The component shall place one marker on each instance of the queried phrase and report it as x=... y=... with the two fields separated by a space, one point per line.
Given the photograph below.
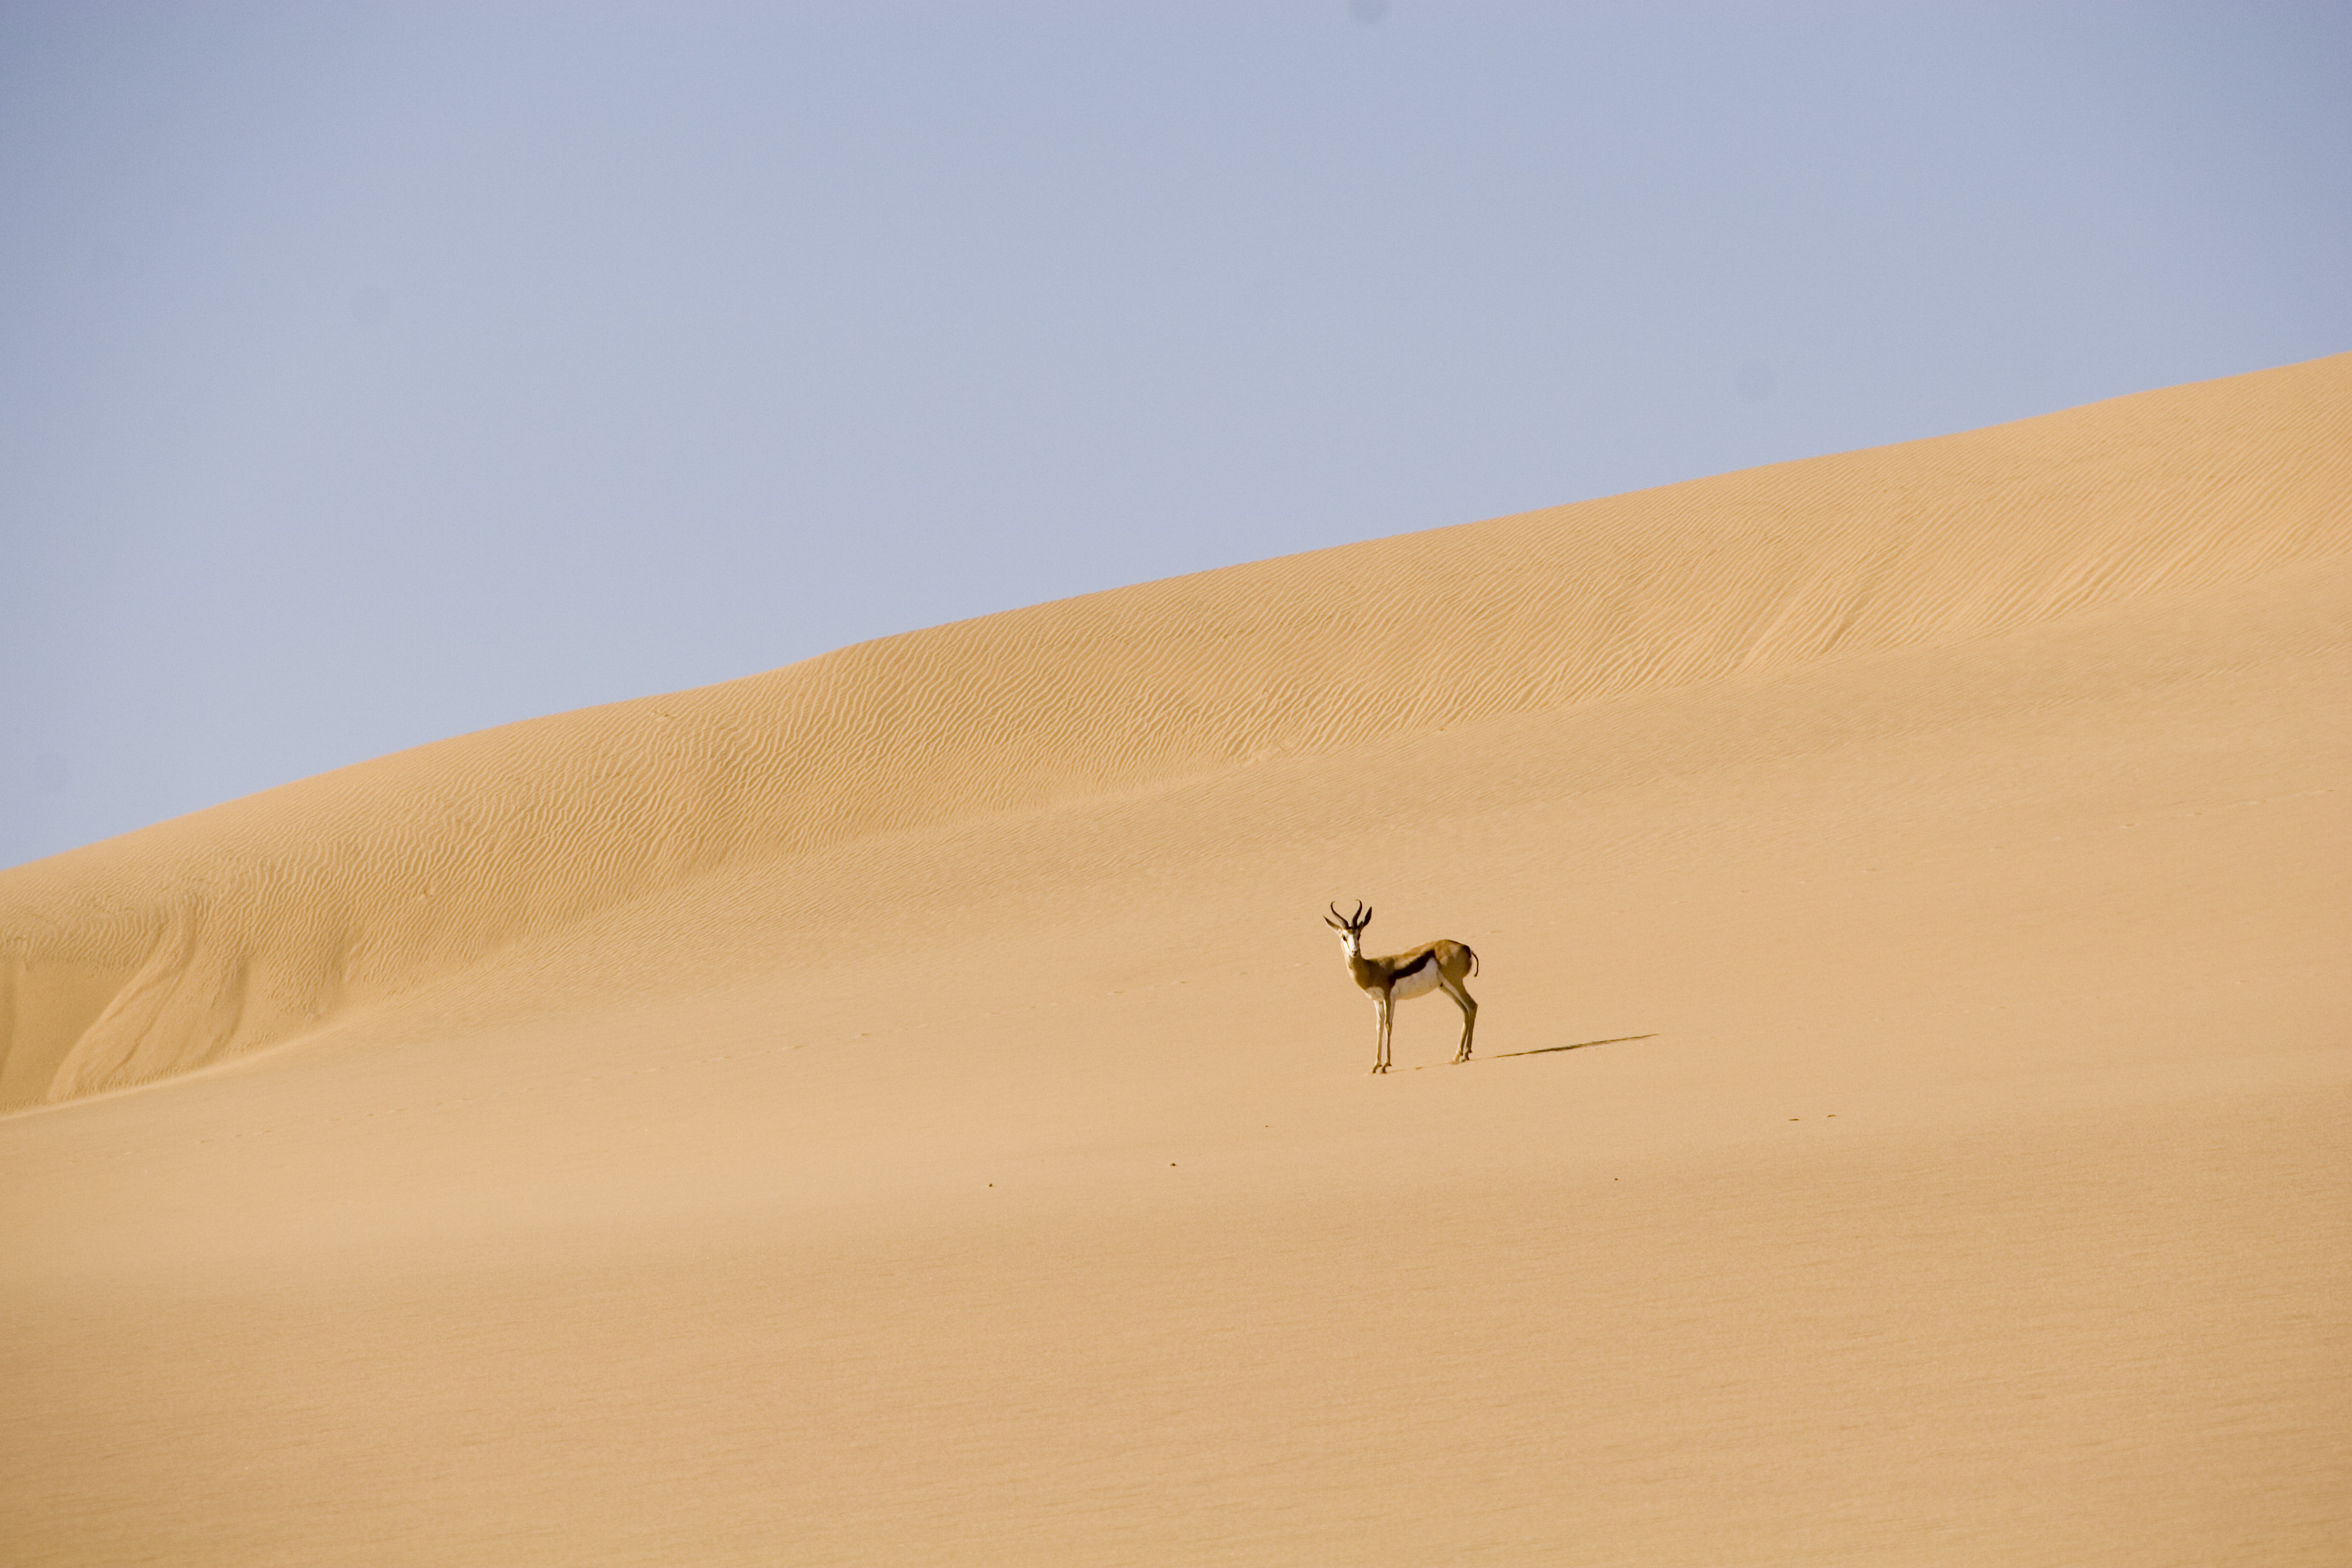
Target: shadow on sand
x=1538 y=1051
x=1579 y=1046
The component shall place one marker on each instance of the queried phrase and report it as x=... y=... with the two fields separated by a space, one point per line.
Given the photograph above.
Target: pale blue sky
x=370 y=374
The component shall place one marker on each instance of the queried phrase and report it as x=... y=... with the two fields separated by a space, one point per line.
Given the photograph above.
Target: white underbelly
x=1419 y=982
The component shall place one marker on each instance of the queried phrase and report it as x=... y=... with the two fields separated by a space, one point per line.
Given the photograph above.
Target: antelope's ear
x=1335 y=925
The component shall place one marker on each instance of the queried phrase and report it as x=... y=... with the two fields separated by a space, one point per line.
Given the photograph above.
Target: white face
x=1352 y=941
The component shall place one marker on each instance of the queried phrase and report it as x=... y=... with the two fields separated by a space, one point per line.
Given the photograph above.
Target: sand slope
x=903 y=1109
x=200 y=939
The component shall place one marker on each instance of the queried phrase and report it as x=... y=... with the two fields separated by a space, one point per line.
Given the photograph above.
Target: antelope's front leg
x=1385 y=1011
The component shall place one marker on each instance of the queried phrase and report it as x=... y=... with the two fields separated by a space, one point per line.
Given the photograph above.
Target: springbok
x=1416 y=971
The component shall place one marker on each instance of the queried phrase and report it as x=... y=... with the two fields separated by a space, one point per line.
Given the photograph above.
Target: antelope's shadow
x=1550 y=1050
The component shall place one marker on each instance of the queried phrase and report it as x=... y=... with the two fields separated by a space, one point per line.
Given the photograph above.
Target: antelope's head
x=1351 y=927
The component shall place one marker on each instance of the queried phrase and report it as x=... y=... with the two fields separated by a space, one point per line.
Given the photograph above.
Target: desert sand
x=905 y=1108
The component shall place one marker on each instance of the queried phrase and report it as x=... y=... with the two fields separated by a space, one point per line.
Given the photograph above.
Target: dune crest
x=207 y=937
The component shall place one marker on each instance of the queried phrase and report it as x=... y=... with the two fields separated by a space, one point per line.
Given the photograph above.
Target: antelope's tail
x=1474 y=957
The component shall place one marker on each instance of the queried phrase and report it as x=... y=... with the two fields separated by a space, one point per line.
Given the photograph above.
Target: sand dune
x=200 y=938
x=904 y=1108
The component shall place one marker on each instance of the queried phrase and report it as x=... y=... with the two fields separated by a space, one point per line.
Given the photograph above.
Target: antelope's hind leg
x=1461 y=999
